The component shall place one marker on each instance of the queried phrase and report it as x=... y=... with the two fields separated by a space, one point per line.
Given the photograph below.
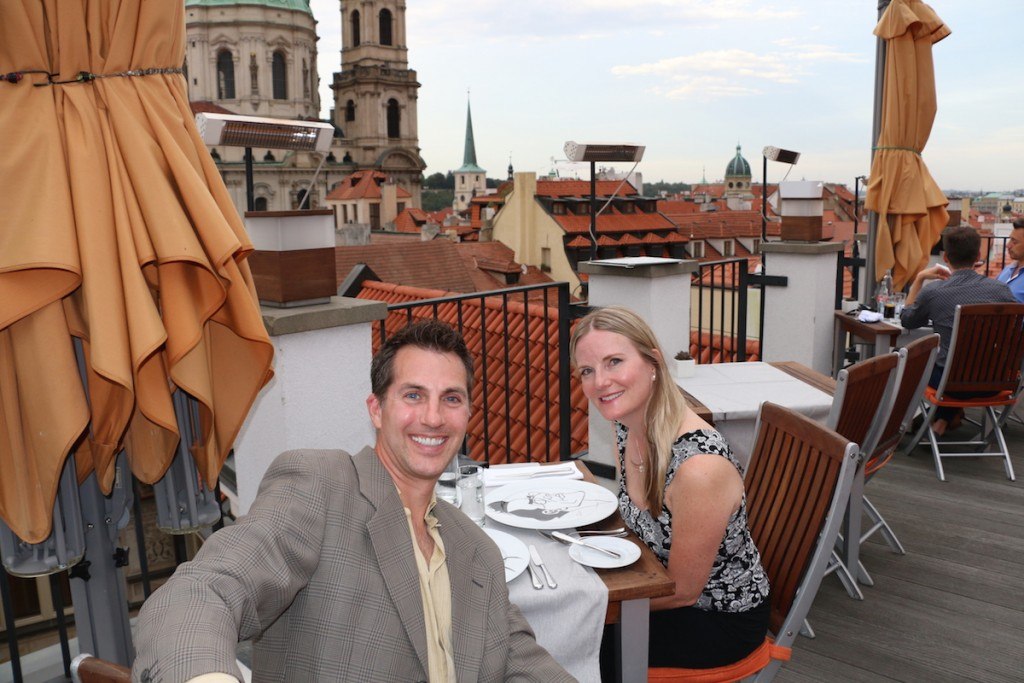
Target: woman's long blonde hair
x=666 y=407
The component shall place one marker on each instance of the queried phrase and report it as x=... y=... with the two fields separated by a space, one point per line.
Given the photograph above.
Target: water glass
x=471 y=490
x=447 y=486
x=899 y=298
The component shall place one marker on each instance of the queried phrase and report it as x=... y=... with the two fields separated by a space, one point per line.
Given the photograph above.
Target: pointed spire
x=469 y=156
x=469 y=164
x=511 y=171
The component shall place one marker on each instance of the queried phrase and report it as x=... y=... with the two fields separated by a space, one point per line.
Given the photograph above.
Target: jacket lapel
x=389 y=534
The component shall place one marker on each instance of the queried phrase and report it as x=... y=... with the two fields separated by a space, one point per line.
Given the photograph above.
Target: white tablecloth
x=734 y=392
x=568 y=620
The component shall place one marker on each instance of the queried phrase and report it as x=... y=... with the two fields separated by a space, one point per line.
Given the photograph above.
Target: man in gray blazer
x=346 y=568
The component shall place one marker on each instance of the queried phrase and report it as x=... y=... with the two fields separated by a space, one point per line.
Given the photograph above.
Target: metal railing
x=519 y=338
x=721 y=291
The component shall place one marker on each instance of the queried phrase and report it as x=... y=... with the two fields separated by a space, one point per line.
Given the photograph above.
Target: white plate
x=513 y=552
x=595 y=558
x=550 y=504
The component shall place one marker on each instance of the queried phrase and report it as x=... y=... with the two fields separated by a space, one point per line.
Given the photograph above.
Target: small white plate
x=595 y=558
x=513 y=552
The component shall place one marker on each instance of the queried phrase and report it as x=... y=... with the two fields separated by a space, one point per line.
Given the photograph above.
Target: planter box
x=294 y=262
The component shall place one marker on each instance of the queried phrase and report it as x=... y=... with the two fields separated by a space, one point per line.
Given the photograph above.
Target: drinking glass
x=447 y=488
x=471 y=490
x=899 y=298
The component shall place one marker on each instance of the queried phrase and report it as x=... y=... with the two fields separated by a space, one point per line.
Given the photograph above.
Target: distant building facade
x=256 y=58
x=375 y=94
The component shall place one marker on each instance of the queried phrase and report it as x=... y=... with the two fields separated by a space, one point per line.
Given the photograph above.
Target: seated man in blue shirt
x=1013 y=274
x=959 y=285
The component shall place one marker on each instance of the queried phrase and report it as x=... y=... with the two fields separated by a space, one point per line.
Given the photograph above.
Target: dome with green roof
x=738 y=166
x=298 y=5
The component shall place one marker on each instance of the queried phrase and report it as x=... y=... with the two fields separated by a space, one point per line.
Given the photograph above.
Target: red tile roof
x=363 y=185
x=435 y=264
x=519 y=428
x=612 y=221
x=204 y=107
x=581 y=188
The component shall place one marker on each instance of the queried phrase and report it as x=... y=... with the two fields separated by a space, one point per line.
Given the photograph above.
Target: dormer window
x=727 y=248
x=697 y=249
x=627 y=207
x=558 y=208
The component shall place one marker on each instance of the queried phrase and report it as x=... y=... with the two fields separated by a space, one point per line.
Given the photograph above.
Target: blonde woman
x=681 y=491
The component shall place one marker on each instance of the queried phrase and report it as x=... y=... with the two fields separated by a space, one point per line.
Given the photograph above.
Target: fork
x=611 y=533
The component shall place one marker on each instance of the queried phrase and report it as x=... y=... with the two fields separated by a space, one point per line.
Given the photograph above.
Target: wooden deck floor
x=952 y=608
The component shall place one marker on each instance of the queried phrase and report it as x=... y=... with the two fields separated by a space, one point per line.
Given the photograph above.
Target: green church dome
x=738 y=166
x=298 y=5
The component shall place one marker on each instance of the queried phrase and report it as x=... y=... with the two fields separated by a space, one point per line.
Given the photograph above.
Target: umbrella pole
x=98 y=584
x=870 y=278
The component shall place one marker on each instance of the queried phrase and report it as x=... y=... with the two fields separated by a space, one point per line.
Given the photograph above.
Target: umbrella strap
x=898 y=149
x=88 y=76
x=16 y=76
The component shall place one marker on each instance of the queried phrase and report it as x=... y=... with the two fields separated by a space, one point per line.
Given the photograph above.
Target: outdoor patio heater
x=607 y=152
x=231 y=130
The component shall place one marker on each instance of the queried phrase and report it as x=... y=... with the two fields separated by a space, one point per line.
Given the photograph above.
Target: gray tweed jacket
x=321 y=574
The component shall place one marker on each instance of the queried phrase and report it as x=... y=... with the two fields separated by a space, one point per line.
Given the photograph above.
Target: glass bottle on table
x=884 y=292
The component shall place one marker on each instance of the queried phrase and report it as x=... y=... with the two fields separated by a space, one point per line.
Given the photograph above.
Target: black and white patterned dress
x=737 y=581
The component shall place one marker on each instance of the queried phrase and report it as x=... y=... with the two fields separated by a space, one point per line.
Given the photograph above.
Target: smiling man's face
x=422 y=417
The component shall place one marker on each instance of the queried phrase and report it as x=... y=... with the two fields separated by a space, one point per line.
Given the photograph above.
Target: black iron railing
x=519 y=338
x=719 y=312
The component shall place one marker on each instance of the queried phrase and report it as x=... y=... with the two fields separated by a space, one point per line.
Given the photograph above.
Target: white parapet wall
x=317 y=398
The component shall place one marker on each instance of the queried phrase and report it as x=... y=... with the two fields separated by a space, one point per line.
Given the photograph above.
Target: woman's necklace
x=640 y=463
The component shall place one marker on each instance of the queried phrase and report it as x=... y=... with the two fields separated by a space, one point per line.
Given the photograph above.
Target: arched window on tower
x=225 y=76
x=350 y=111
x=394 y=119
x=385 y=27
x=279 y=71
x=260 y=204
x=354 y=18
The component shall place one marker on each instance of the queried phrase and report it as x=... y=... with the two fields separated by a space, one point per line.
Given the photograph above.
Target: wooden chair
x=861 y=407
x=986 y=355
x=798 y=485
x=916 y=361
x=88 y=669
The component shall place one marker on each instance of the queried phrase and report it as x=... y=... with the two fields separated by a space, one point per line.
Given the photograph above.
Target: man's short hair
x=1018 y=224
x=962 y=245
x=432 y=335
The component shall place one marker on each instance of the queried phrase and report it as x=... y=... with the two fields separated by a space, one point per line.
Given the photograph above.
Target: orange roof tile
x=435 y=264
x=363 y=185
x=520 y=429
x=581 y=188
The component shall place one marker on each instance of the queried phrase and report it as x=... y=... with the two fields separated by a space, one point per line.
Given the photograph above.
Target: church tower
x=470 y=179
x=375 y=93
x=737 y=193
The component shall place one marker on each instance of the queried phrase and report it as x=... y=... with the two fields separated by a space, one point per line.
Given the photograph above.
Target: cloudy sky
x=692 y=78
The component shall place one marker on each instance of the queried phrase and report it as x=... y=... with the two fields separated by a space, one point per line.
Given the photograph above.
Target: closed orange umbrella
x=117 y=231
x=910 y=206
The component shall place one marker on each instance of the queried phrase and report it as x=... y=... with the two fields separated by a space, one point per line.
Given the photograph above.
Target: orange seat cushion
x=1003 y=398
x=749 y=665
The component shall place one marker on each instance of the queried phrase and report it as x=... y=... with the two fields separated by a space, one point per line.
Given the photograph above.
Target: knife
x=569 y=539
x=540 y=563
x=534 y=578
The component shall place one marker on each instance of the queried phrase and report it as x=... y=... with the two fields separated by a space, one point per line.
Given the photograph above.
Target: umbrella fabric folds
x=910 y=206
x=117 y=230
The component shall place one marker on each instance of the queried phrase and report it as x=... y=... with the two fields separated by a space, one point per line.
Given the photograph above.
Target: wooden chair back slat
x=987 y=348
x=920 y=358
x=860 y=393
x=792 y=476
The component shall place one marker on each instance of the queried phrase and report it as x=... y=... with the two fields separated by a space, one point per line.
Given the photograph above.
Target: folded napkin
x=869 y=316
x=497 y=475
